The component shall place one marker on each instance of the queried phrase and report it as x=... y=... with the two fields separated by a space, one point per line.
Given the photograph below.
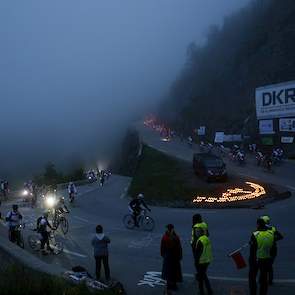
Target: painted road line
x=88 y=191
x=153 y=279
x=123 y=195
x=246 y=175
x=291 y=187
x=81 y=219
x=74 y=253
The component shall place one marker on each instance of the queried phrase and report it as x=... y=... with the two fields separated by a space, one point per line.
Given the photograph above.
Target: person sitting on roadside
x=136 y=206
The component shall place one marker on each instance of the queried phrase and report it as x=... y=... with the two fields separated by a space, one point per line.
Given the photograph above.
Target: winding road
x=134 y=255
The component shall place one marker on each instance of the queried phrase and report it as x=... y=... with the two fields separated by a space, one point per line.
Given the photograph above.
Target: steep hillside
x=254 y=47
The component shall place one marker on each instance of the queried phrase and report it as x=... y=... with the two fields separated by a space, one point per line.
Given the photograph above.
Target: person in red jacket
x=171 y=251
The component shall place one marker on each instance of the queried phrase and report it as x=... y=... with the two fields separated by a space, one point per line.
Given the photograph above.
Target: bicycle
x=60 y=220
x=19 y=238
x=144 y=221
x=34 y=242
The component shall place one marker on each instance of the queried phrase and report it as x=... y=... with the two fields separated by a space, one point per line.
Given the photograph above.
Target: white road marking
x=88 y=191
x=153 y=279
x=291 y=187
x=81 y=219
x=246 y=175
x=74 y=253
x=123 y=195
x=141 y=243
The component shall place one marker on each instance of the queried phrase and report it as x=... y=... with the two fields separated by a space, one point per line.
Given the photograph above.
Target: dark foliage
x=254 y=47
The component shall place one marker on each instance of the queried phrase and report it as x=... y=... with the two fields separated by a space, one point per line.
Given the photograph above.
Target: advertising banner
x=287 y=139
x=287 y=125
x=219 y=137
x=267 y=140
x=202 y=130
x=275 y=101
x=266 y=127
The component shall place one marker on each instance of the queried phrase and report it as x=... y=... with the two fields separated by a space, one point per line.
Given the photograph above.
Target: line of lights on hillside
x=234 y=195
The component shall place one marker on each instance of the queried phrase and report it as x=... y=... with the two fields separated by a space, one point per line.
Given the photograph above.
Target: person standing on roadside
x=171 y=251
x=203 y=257
x=260 y=259
x=100 y=246
x=277 y=237
x=198 y=227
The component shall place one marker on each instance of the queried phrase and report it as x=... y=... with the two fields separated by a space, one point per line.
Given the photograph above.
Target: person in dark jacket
x=171 y=251
x=100 y=246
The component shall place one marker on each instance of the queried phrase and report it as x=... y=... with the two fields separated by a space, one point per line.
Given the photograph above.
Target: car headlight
x=25 y=193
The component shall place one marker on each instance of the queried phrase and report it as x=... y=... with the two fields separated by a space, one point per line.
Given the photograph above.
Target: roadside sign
x=275 y=101
x=267 y=140
x=266 y=127
x=287 y=139
x=219 y=137
x=287 y=124
x=201 y=130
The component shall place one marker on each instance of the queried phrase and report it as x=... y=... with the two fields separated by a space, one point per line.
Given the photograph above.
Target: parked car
x=209 y=166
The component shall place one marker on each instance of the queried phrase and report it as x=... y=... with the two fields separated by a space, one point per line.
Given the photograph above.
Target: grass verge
x=163 y=178
x=18 y=279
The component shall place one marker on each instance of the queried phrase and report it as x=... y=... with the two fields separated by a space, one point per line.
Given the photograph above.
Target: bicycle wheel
x=21 y=241
x=148 y=223
x=128 y=221
x=64 y=224
x=58 y=247
x=33 y=241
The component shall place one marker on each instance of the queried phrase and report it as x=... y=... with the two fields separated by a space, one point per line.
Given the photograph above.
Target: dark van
x=209 y=166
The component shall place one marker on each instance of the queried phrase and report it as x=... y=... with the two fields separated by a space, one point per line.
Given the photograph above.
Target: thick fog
x=74 y=73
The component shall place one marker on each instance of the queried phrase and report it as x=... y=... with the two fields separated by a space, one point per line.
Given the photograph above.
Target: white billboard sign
x=275 y=101
x=219 y=137
x=287 y=125
x=266 y=127
x=287 y=139
x=202 y=130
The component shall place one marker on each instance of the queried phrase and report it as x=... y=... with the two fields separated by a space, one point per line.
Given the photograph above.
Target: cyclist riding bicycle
x=61 y=207
x=44 y=227
x=135 y=207
x=72 y=190
x=14 y=219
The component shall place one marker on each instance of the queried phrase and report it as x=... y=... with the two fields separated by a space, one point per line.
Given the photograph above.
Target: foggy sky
x=74 y=72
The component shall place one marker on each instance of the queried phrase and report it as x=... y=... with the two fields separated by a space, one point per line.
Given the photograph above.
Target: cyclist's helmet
x=140 y=196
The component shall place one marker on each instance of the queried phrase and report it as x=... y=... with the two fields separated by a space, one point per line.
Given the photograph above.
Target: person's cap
x=140 y=196
x=266 y=219
x=14 y=206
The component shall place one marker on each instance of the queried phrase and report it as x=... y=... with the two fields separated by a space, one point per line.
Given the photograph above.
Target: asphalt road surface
x=134 y=254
